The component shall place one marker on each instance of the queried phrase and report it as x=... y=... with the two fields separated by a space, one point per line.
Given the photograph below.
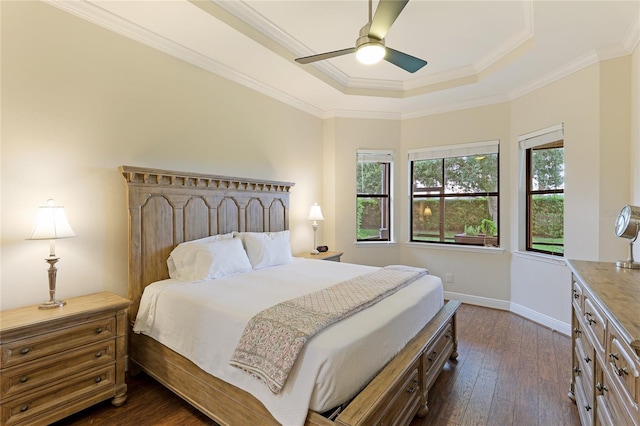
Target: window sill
x=540 y=257
x=453 y=247
x=374 y=243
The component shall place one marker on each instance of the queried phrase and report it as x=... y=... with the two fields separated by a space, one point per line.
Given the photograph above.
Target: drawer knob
x=576 y=370
x=98 y=354
x=23 y=379
x=413 y=387
x=613 y=356
x=591 y=321
x=601 y=387
x=621 y=371
x=587 y=359
x=24 y=408
x=98 y=330
x=98 y=379
x=577 y=330
x=25 y=350
x=587 y=407
x=576 y=295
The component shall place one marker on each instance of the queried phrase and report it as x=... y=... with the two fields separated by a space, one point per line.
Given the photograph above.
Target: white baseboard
x=477 y=300
x=504 y=305
x=542 y=319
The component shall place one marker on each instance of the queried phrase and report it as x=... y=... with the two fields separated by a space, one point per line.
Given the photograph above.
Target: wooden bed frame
x=167 y=208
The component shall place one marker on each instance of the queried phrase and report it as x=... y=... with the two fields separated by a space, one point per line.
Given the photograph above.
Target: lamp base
x=628 y=264
x=51 y=304
x=315 y=252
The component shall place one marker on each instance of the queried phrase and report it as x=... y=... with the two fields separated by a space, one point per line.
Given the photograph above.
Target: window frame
x=547 y=138
x=384 y=157
x=441 y=153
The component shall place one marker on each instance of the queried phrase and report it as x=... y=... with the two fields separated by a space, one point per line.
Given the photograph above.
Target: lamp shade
x=315 y=213
x=51 y=223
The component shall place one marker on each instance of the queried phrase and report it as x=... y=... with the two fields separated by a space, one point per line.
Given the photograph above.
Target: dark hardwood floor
x=510 y=371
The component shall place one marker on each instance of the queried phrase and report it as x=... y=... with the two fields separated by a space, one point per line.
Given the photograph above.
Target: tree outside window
x=545 y=198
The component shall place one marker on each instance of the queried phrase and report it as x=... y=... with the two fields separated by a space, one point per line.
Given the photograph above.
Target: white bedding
x=203 y=321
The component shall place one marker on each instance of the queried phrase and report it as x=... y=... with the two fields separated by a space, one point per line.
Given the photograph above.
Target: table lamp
x=315 y=214
x=51 y=224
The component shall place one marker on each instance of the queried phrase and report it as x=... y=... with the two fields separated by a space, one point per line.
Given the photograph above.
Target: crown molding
x=454 y=78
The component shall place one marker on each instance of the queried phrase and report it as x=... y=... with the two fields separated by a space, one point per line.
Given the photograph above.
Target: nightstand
x=327 y=255
x=56 y=362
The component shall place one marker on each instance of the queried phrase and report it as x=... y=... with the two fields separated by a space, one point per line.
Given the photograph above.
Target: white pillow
x=267 y=248
x=217 y=259
x=183 y=256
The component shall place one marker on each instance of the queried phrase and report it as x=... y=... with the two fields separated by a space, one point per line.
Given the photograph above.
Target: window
x=544 y=159
x=455 y=194
x=373 y=181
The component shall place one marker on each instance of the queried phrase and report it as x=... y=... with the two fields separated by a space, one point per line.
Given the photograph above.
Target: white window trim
x=380 y=155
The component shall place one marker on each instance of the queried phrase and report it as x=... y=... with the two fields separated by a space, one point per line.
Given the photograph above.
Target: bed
x=168 y=208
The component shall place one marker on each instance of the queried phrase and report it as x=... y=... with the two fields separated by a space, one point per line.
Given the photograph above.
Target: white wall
x=78 y=101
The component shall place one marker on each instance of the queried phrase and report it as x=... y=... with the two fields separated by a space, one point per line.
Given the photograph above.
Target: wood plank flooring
x=510 y=371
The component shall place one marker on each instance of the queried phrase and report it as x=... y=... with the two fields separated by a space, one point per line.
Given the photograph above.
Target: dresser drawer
x=30 y=407
x=595 y=323
x=433 y=356
x=403 y=402
x=576 y=292
x=583 y=402
x=585 y=362
x=28 y=376
x=612 y=403
x=623 y=367
x=24 y=350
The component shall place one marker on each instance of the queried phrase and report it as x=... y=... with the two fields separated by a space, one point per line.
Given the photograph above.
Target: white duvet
x=203 y=321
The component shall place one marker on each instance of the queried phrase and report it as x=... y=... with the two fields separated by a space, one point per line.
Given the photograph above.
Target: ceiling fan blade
x=328 y=55
x=406 y=62
x=386 y=14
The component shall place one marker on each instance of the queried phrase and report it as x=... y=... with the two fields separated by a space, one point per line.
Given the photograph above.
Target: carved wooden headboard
x=167 y=208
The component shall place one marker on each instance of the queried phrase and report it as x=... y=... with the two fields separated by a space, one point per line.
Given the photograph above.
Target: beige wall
x=594 y=106
x=78 y=101
x=482 y=274
x=345 y=137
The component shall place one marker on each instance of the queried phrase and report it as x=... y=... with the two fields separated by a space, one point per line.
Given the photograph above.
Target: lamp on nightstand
x=315 y=214
x=51 y=224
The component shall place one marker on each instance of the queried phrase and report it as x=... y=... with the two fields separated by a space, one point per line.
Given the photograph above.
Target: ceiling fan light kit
x=370 y=46
x=628 y=226
x=370 y=53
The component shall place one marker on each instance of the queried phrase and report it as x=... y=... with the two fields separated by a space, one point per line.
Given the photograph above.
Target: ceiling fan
x=370 y=47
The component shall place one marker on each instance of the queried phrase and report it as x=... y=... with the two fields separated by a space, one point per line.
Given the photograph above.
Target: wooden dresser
x=59 y=361
x=606 y=343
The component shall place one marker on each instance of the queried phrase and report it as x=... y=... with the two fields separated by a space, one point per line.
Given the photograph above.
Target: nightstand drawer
x=30 y=407
x=24 y=350
x=29 y=376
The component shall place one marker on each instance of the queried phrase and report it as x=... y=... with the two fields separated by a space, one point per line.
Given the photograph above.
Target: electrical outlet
x=449 y=278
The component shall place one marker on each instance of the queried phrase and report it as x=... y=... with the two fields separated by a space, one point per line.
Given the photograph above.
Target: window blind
x=374 y=156
x=542 y=137
x=449 y=151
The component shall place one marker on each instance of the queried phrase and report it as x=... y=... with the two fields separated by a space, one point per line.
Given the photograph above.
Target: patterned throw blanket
x=272 y=339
